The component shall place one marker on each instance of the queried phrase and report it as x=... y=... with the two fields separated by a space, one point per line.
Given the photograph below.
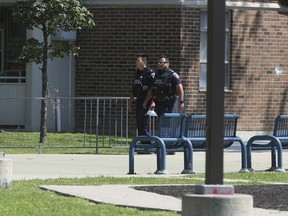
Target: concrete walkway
x=42 y=166
x=124 y=195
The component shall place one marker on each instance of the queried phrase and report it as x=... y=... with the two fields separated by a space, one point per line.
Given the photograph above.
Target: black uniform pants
x=141 y=117
x=164 y=107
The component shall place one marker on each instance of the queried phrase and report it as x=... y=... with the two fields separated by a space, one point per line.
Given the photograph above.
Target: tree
x=50 y=16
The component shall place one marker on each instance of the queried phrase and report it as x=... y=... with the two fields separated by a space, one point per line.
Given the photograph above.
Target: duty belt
x=165 y=98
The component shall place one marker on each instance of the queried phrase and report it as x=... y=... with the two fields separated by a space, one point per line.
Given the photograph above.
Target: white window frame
x=203 y=51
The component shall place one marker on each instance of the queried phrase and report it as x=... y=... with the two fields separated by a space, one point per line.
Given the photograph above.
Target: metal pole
x=215 y=91
x=97 y=126
x=58 y=112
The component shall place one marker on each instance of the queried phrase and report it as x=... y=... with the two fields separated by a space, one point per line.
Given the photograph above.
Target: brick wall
x=106 y=63
x=259 y=44
x=259 y=41
x=190 y=46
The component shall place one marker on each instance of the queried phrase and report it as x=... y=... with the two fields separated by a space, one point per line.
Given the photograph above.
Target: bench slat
x=196 y=128
x=171 y=125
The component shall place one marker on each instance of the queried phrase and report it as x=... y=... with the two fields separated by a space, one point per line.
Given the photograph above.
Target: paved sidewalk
x=43 y=166
x=124 y=195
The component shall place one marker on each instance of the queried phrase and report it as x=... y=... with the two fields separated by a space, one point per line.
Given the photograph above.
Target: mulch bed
x=264 y=196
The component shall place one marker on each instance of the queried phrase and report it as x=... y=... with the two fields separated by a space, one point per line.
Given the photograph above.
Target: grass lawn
x=61 y=143
x=26 y=198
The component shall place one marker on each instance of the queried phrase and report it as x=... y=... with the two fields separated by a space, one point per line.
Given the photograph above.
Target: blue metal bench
x=275 y=142
x=170 y=139
x=195 y=131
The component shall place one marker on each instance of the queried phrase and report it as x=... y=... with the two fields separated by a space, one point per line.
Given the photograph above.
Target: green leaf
x=51 y=16
x=32 y=51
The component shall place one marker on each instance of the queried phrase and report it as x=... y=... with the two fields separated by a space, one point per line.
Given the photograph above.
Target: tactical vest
x=162 y=87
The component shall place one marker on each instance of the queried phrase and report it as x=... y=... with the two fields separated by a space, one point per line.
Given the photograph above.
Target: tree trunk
x=44 y=101
x=44 y=104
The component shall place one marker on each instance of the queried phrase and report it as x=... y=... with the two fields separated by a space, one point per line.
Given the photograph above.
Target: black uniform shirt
x=142 y=82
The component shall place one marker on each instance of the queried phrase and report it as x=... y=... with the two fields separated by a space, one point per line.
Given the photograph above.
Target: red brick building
x=256 y=53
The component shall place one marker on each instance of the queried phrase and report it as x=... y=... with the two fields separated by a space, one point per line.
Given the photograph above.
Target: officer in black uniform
x=167 y=84
x=142 y=83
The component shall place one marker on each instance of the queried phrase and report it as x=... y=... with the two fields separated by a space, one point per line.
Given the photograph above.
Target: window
x=16 y=35
x=203 y=50
x=11 y=35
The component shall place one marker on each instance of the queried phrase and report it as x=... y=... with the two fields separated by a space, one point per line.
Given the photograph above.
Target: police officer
x=167 y=84
x=143 y=81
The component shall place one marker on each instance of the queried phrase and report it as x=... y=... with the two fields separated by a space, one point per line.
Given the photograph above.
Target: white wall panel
x=12 y=108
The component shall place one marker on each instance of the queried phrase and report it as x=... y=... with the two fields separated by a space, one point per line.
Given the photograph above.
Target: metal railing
x=107 y=118
x=104 y=122
x=13 y=76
